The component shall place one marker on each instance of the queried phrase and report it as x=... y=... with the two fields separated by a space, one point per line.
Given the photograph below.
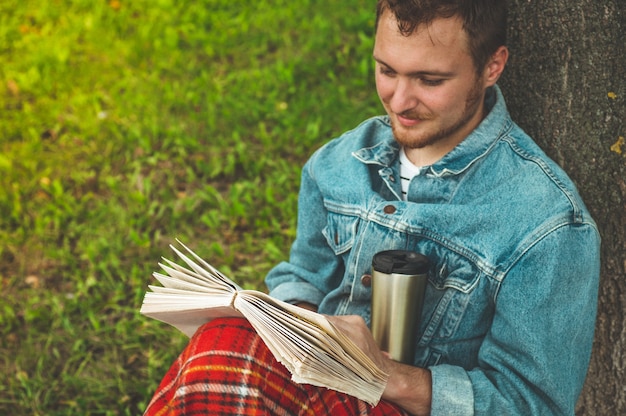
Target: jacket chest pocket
x=459 y=302
x=340 y=231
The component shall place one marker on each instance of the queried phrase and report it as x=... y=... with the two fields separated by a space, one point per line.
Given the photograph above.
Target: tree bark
x=566 y=86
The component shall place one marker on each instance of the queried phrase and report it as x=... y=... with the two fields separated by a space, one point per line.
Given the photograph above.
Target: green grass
x=125 y=125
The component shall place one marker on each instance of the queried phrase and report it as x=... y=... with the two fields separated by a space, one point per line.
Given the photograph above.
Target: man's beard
x=471 y=105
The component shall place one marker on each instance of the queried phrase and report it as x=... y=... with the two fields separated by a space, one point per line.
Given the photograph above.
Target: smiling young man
x=429 y=85
x=508 y=317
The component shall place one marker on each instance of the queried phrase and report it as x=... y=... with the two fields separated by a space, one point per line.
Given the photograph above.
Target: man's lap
x=226 y=369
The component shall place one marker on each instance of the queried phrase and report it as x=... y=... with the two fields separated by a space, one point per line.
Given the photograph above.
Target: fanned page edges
x=311 y=348
x=309 y=345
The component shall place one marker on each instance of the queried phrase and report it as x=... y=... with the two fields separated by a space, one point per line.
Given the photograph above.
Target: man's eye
x=432 y=82
x=387 y=72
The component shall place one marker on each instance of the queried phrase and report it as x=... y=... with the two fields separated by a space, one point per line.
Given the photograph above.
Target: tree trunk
x=566 y=86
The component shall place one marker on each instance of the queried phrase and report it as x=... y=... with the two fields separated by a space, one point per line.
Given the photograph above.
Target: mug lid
x=400 y=262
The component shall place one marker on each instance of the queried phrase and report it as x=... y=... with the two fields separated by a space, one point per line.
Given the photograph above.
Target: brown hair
x=484 y=21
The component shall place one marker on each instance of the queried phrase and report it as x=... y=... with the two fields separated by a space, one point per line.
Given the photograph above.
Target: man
x=509 y=312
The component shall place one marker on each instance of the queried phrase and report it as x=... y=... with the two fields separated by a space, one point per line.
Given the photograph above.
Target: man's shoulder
x=369 y=133
x=537 y=177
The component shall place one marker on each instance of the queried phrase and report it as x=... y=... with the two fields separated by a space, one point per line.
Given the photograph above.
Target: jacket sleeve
x=313 y=269
x=535 y=357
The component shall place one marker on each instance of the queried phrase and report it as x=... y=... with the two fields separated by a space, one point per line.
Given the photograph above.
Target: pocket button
x=366 y=280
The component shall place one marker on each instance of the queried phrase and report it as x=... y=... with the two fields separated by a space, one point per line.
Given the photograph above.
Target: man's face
x=428 y=85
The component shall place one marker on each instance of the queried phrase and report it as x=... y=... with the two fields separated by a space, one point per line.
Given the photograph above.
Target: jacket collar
x=472 y=148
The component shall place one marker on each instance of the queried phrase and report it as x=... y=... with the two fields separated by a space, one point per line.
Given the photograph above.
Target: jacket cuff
x=294 y=292
x=452 y=392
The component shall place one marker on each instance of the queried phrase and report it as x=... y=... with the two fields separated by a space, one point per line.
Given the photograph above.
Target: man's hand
x=409 y=387
x=307 y=306
x=354 y=327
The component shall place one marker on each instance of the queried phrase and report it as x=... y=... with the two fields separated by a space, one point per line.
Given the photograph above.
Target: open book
x=305 y=342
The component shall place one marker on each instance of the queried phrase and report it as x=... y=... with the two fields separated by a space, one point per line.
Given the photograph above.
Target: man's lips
x=408 y=122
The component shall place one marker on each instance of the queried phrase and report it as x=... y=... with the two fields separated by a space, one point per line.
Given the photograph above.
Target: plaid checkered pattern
x=226 y=369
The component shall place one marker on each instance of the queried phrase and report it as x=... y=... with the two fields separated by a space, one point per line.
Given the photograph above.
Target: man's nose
x=404 y=97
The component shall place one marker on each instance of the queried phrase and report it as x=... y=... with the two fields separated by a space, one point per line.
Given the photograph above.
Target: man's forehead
x=441 y=36
x=439 y=30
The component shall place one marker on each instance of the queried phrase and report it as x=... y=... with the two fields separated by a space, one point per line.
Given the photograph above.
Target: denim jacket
x=508 y=320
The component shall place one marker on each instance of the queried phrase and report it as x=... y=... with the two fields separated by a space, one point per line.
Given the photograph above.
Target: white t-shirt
x=407 y=171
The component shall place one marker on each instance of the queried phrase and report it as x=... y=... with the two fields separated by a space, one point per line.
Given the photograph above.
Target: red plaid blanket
x=226 y=369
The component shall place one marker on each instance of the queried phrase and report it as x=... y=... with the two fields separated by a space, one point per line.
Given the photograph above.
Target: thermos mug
x=399 y=280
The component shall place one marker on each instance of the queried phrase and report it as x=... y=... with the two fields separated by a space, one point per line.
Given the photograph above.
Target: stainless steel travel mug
x=399 y=280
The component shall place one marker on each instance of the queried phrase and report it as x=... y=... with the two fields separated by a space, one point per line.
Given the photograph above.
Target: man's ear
x=495 y=65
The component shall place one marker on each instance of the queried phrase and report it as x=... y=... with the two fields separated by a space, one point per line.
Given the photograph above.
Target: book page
x=306 y=317
x=313 y=350
x=189 y=320
x=189 y=297
x=204 y=268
